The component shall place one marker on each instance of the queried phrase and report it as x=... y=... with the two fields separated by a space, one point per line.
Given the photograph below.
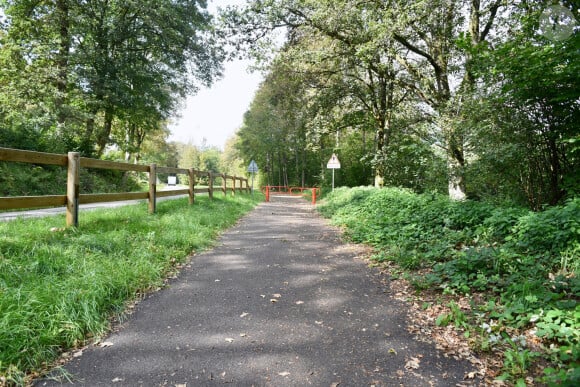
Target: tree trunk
x=555 y=171
x=383 y=106
x=303 y=176
x=62 y=11
x=379 y=167
x=129 y=141
x=104 y=135
x=456 y=178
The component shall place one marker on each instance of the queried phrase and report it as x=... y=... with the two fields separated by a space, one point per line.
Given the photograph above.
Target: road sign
x=253 y=167
x=333 y=163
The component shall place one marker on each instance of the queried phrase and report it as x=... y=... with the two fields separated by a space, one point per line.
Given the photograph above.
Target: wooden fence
x=73 y=162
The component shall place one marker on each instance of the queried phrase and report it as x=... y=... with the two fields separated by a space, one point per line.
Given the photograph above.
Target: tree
x=533 y=88
x=428 y=30
x=338 y=43
x=435 y=80
x=34 y=65
x=231 y=162
x=388 y=50
x=106 y=71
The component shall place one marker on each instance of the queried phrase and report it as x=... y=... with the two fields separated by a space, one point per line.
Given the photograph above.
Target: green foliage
x=274 y=132
x=429 y=95
x=21 y=138
x=33 y=180
x=455 y=316
x=528 y=122
x=60 y=287
x=419 y=229
x=552 y=230
x=527 y=261
x=516 y=365
x=85 y=76
x=29 y=180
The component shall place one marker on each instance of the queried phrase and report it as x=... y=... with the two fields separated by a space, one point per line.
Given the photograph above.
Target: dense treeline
x=102 y=78
x=479 y=98
x=88 y=75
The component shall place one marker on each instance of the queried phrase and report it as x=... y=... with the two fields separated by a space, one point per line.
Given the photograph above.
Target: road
x=42 y=212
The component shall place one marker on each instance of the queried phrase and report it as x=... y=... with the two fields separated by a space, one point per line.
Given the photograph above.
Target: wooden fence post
x=210 y=180
x=152 y=188
x=224 y=184
x=234 y=186
x=72 y=189
x=191 y=186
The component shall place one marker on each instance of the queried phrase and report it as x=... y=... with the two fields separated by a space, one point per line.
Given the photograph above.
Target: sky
x=216 y=113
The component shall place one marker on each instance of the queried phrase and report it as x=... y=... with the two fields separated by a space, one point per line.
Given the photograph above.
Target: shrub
x=528 y=261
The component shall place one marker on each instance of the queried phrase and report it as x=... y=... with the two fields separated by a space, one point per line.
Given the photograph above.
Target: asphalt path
x=280 y=301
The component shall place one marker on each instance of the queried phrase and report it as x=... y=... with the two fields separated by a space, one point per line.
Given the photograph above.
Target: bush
x=528 y=261
x=428 y=225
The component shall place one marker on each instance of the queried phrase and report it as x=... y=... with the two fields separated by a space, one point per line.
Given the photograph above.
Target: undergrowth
x=61 y=287
x=526 y=264
x=18 y=179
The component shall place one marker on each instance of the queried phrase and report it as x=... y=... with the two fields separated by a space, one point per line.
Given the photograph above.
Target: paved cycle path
x=280 y=301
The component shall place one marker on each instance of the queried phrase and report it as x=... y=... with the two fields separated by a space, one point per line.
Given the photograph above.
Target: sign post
x=333 y=164
x=253 y=168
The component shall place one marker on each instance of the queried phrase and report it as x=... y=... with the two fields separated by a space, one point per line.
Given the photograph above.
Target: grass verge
x=61 y=287
x=507 y=279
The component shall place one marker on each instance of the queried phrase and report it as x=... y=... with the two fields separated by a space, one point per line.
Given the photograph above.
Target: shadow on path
x=281 y=301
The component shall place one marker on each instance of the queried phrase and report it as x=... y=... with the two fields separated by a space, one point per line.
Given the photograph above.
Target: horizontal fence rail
x=73 y=162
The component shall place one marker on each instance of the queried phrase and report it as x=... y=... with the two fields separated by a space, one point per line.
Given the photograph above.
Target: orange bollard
x=267 y=193
x=314 y=196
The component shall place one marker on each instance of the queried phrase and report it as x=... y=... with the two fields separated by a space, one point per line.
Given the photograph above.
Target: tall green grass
x=60 y=287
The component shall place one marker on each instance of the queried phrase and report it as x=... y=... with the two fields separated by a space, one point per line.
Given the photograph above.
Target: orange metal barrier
x=289 y=191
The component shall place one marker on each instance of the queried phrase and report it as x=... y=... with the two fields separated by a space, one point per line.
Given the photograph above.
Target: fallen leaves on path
x=412 y=364
x=424 y=309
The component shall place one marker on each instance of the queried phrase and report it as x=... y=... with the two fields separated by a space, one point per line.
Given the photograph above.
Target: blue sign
x=253 y=168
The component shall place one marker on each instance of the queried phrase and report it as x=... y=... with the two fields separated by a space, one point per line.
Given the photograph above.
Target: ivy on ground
x=525 y=264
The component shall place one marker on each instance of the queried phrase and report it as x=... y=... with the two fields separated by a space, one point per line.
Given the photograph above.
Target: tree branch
x=419 y=52
x=493 y=13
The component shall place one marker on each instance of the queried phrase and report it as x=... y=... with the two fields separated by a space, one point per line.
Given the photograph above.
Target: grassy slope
x=523 y=268
x=18 y=179
x=60 y=287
